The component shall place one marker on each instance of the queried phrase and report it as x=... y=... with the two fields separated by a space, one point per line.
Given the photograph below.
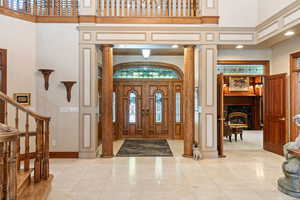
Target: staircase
x=24 y=153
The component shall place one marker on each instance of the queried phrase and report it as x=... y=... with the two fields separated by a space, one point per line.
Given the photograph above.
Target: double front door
x=147 y=109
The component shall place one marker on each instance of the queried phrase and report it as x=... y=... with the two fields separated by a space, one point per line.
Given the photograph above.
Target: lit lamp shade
x=258 y=90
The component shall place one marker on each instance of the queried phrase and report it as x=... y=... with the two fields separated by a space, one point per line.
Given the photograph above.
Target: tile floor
x=252 y=140
x=242 y=175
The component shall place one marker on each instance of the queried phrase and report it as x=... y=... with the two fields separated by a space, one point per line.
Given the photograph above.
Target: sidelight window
x=114 y=107
x=132 y=107
x=158 y=107
x=298 y=63
x=178 y=95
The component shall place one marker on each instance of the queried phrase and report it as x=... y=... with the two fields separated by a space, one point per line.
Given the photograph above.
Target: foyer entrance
x=148 y=100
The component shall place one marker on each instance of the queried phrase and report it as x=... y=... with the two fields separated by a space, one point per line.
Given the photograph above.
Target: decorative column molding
x=209 y=8
x=208 y=101
x=189 y=100
x=106 y=104
x=88 y=7
x=88 y=101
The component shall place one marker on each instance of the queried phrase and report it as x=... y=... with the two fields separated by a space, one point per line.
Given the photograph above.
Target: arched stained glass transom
x=147 y=72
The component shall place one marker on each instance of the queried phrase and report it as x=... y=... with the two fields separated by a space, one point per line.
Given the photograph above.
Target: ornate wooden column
x=189 y=100
x=106 y=104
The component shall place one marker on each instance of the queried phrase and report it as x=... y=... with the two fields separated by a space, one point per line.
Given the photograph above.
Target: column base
x=187 y=156
x=107 y=156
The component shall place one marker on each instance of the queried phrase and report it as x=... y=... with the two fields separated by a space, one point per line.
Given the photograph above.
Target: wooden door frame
x=4 y=71
x=4 y=82
x=266 y=64
x=293 y=92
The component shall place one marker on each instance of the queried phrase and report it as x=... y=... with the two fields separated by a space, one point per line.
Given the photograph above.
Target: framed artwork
x=23 y=98
x=239 y=84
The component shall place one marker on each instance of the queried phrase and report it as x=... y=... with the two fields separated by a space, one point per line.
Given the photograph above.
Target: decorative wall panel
x=236 y=37
x=209 y=130
x=87 y=130
x=270 y=29
x=120 y=36
x=87 y=77
x=291 y=17
x=176 y=37
x=209 y=76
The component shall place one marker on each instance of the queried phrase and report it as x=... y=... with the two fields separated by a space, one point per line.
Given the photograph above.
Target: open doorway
x=251 y=107
x=147 y=97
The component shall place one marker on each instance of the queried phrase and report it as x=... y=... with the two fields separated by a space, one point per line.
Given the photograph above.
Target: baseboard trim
x=64 y=154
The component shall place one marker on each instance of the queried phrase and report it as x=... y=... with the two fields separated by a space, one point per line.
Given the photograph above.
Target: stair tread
x=22 y=177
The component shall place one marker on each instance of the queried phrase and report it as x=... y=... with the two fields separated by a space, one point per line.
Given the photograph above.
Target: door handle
x=282 y=119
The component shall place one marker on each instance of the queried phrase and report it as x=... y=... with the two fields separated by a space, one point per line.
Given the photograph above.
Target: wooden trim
x=266 y=63
x=152 y=64
x=110 y=20
x=293 y=94
x=210 y=19
x=64 y=154
x=57 y=19
x=18 y=15
x=31 y=156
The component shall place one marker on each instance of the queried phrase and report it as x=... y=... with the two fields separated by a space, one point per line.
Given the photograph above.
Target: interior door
x=221 y=116
x=158 y=110
x=275 y=124
x=3 y=78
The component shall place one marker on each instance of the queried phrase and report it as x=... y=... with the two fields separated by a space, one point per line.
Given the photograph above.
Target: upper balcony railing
x=43 y=7
x=107 y=8
x=148 y=8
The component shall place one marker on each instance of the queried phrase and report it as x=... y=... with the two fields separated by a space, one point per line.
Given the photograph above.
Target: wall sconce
x=68 y=85
x=46 y=73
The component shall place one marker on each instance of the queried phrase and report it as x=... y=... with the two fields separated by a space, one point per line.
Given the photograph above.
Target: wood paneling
x=221 y=117
x=275 y=124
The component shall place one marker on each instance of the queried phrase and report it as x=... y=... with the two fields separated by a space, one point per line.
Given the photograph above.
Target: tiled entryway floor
x=242 y=175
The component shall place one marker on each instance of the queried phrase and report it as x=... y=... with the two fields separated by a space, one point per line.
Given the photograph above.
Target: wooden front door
x=275 y=124
x=3 y=79
x=146 y=109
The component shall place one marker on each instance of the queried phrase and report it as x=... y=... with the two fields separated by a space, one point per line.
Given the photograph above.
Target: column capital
x=189 y=46
x=106 y=45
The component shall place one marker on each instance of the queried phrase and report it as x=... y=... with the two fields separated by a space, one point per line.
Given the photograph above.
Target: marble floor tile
x=242 y=175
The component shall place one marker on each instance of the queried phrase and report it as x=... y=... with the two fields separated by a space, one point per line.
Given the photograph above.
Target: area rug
x=145 y=148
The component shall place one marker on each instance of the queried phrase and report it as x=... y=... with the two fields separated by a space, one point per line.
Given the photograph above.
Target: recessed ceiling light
x=175 y=46
x=289 y=33
x=146 y=53
x=239 y=46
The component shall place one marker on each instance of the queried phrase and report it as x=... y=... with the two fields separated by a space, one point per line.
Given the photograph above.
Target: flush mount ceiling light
x=289 y=33
x=146 y=53
x=175 y=46
x=239 y=46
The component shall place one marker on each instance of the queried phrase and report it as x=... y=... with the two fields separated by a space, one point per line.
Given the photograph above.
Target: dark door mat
x=145 y=148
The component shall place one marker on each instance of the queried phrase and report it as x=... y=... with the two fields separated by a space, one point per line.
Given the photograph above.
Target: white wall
x=267 y=8
x=19 y=38
x=281 y=55
x=57 y=48
x=244 y=54
x=238 y=13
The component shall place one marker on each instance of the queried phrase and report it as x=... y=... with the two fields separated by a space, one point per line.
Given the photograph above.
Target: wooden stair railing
x=39 y=151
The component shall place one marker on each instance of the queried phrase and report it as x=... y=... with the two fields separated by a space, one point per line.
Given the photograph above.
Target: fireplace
x=240 y=109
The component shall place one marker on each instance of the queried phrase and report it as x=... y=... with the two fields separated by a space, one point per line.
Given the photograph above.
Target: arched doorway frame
x=175 y=85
